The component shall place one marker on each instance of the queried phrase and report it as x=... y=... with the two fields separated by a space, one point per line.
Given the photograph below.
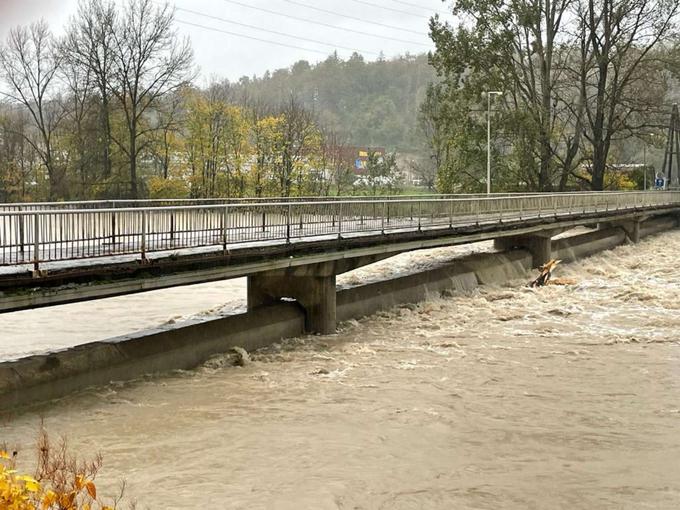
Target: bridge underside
x=302 y=271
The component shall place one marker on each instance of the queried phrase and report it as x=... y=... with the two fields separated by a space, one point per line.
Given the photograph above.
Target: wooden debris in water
x=546 y=272
x=561 y=281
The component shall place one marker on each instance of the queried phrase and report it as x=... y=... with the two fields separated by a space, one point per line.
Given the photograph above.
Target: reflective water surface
x=506 y=397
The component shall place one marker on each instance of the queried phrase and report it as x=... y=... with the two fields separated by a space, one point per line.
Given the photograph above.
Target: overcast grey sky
x=224 y=55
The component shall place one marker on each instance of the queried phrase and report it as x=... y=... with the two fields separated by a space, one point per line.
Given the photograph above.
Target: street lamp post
x=488 y=138
x=644 y=164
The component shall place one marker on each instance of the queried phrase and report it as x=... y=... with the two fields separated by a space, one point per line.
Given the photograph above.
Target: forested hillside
x=368 y=103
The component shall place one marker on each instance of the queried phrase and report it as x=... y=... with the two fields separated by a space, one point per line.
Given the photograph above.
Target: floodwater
x=59 y=327
x=505 y=397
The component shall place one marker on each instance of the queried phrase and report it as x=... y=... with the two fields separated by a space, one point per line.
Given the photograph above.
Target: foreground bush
x=60 y=482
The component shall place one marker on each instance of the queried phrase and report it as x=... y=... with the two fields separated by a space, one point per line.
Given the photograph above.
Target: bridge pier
x=539 y=245
x=631 y=227
x=312 y=286
x=633 y=231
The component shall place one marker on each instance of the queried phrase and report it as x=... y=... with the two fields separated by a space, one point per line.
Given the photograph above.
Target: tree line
x=109 y=110
x=85 y=108
x=580 y=81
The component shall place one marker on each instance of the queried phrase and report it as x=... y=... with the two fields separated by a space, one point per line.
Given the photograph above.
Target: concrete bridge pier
x=312 y=286
x=633 y=231
x=539 y=245
x=631 y=227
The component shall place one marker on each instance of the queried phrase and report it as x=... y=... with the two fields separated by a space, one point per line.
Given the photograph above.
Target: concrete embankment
x=39 y=378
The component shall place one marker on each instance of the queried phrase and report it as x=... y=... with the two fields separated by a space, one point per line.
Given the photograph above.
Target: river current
x=504 y=397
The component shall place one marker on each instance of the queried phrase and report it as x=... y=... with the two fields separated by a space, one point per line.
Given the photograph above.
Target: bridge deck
x=55 y=235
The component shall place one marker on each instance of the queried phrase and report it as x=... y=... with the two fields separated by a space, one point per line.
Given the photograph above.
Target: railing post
x=36 y=241
x=143 y=240
x=420 y=215
x=225 y=227
x=288 y=214
x=340 y=221
x=113 y=229
x=21 y=233
x=450 y=213
x=382 y=219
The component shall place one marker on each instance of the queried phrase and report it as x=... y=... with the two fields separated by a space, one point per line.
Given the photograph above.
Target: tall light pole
x=488 y=138
x=644 y=164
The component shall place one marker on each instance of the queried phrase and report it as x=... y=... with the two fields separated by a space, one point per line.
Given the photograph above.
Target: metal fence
x=35 y=237
x=181 y=202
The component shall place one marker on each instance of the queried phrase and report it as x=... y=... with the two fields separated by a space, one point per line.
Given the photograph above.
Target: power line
x=250 y=37
x=364 y=2
x=328 y=25
x=274 y=31
x=419 y=7
x=333 y=13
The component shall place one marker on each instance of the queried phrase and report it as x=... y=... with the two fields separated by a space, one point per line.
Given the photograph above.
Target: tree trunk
x=544 y=182
x=598 y=168
x=133 y=163
x=106 y=125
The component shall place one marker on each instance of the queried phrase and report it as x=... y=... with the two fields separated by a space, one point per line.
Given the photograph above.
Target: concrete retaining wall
x=577 y=247
x=40 y=378
x=465 y=273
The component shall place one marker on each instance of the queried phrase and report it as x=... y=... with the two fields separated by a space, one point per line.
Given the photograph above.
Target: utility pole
x=644 y=165
x=672 y=149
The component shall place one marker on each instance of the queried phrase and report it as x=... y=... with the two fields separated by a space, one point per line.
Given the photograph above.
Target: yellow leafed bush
x=61 y=482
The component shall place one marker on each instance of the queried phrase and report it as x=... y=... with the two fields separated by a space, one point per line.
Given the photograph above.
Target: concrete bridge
x=58 y=253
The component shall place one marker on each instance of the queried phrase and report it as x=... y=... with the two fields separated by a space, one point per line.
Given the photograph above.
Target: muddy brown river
x=505 y=397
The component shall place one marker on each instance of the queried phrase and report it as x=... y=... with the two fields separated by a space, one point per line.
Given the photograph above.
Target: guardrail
x=179 y=202
x=35 y=237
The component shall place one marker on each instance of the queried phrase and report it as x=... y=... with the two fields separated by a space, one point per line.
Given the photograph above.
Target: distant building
x=357 y=157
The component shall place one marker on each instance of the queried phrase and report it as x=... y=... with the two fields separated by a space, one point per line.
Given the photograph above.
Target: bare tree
x=299 y=131
x=88 y=45
x=266 y=145
x=18 y=158
x=425 y=172
x=28 y=64
x=77 y=107
x=149 y=62
x=335 y=163
x=166 y=126
x=621 y=83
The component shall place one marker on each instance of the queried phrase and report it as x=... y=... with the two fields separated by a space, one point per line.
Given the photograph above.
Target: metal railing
x=35 y=237
x=179 y=202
